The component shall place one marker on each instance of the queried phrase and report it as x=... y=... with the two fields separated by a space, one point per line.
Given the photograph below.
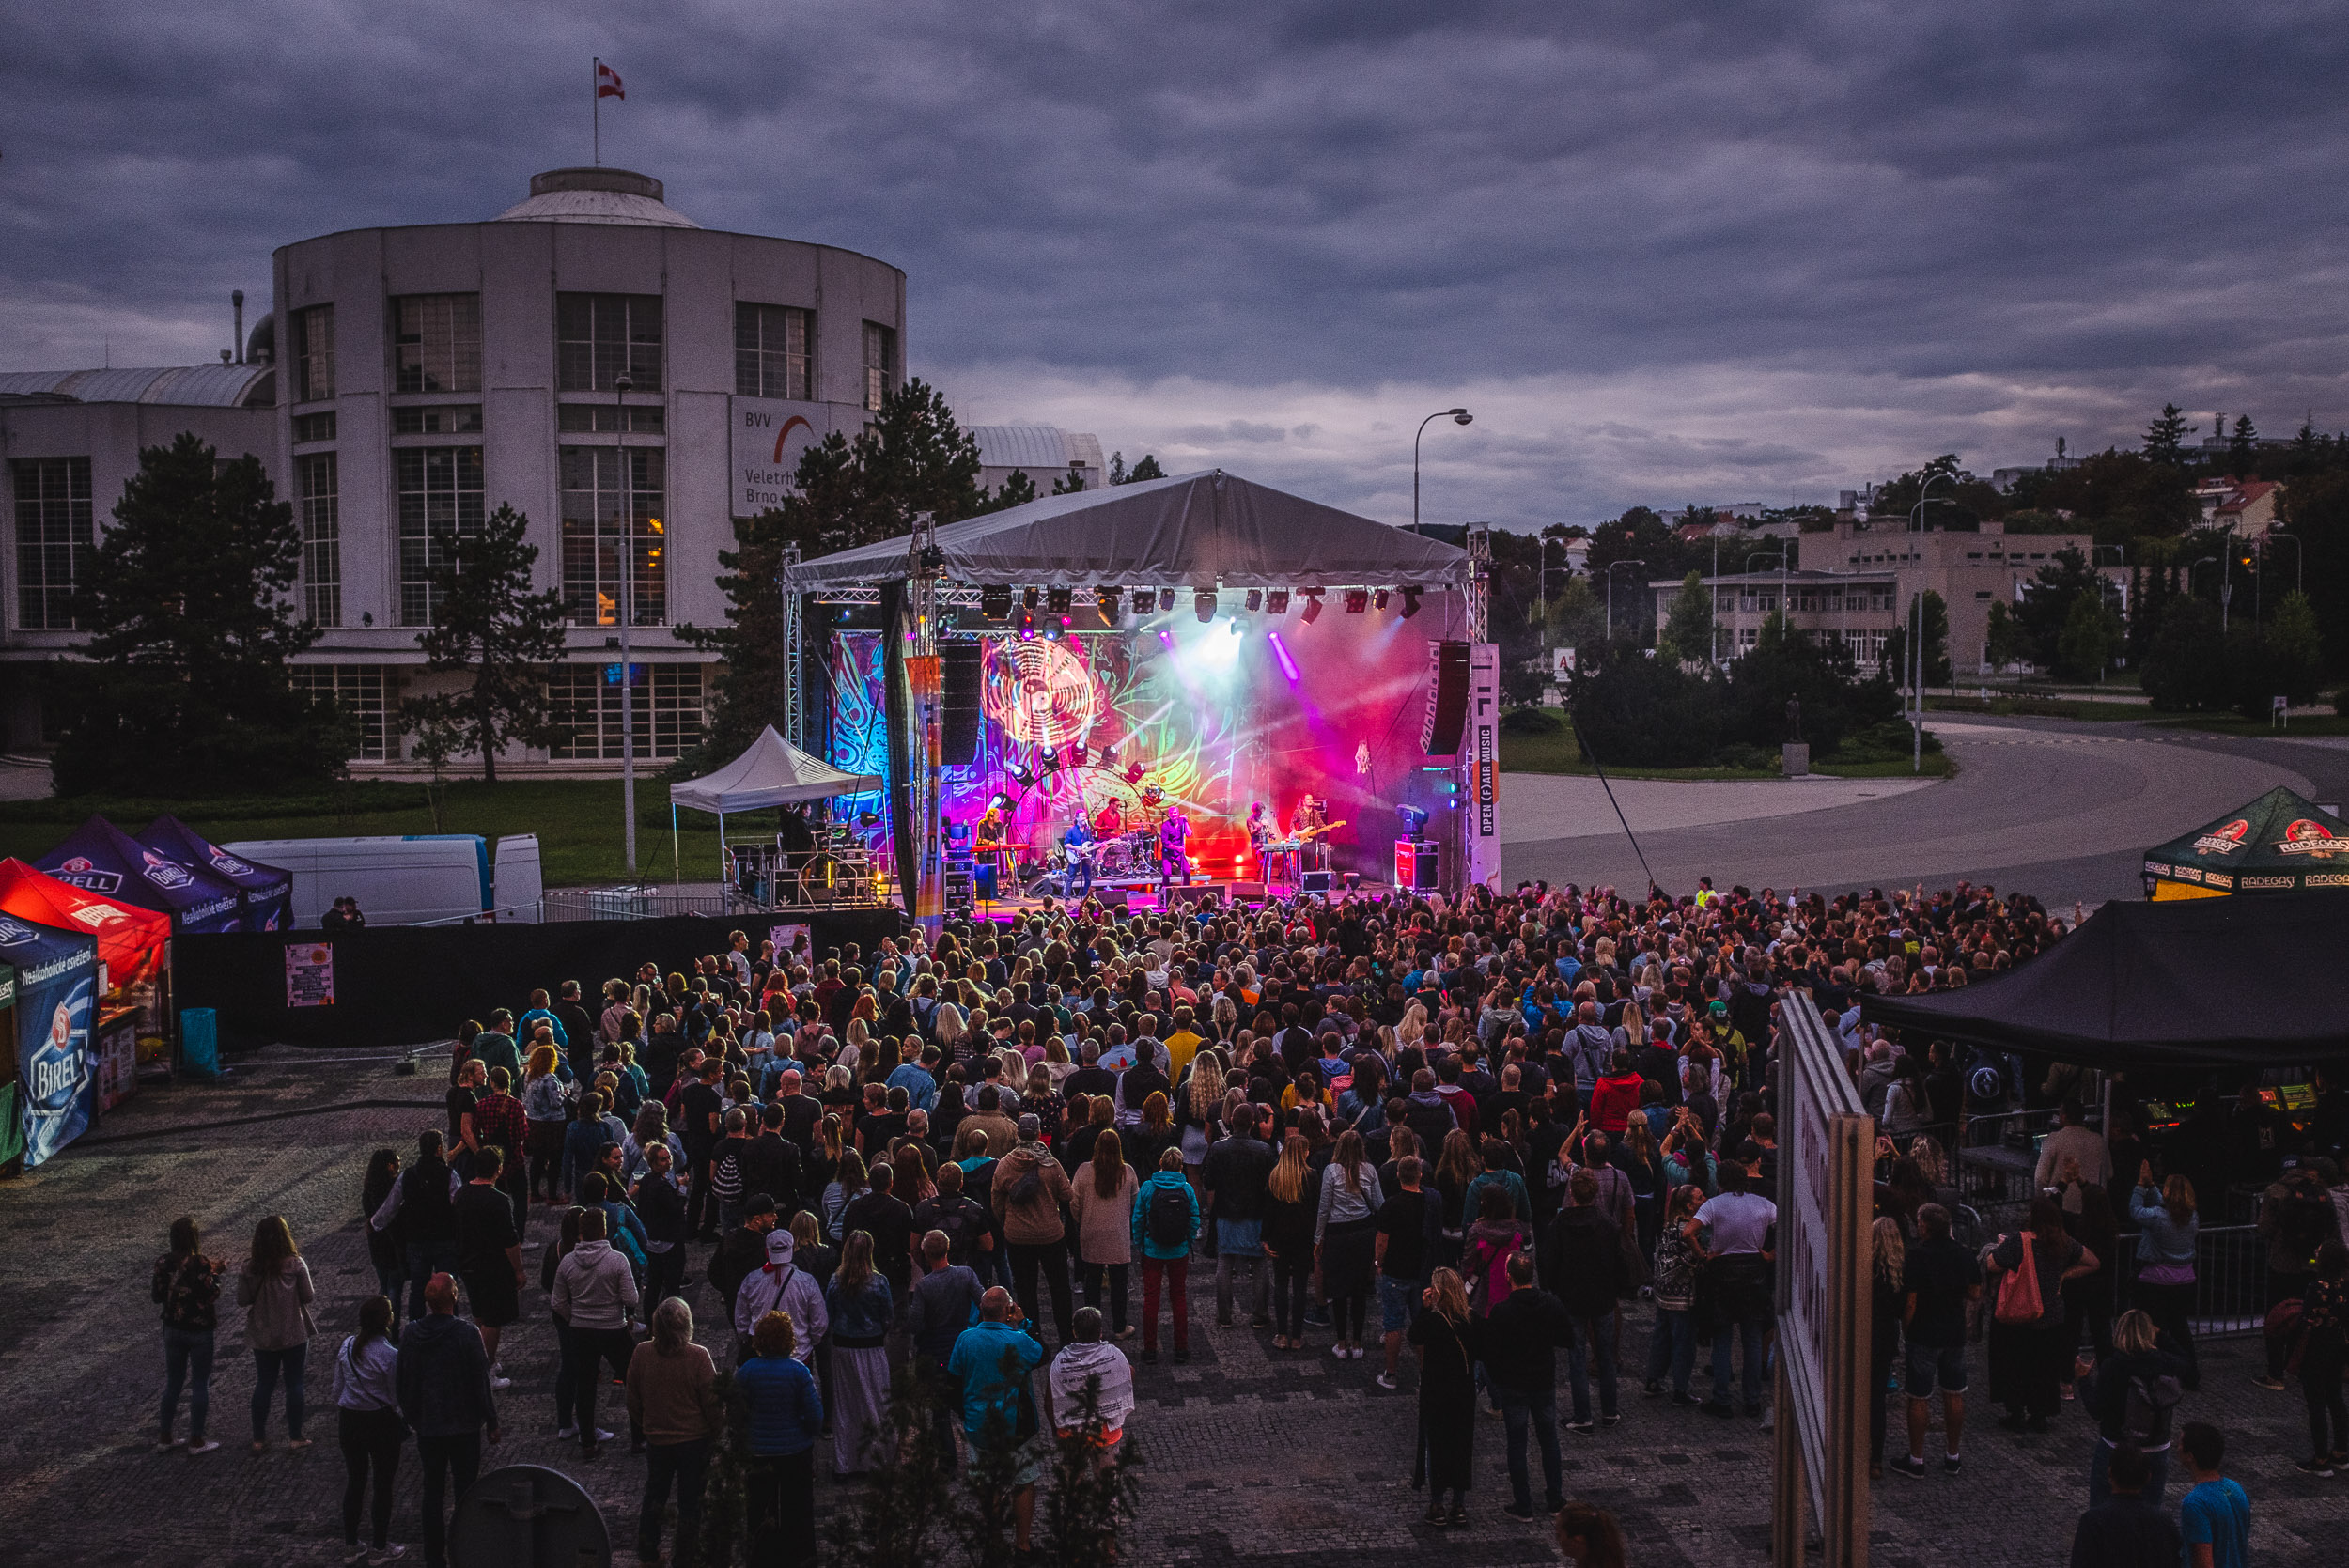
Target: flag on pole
x=608 y=82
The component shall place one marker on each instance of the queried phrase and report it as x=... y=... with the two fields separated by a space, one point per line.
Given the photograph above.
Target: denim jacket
x=2161 y=1239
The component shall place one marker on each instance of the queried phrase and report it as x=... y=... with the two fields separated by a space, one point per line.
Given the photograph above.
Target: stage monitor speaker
x=1447 y=698
x=958 y=703
x=1313 y=882
x=1418 y=864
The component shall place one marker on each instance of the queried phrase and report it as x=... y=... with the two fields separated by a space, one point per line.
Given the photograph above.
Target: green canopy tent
x=2279 y=843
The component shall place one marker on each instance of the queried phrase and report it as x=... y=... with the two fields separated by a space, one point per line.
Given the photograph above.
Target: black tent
x=2279 y=843
x=2220 y=982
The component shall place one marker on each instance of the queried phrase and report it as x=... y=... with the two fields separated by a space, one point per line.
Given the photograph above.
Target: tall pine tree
x=188 y=602
x=487 y=623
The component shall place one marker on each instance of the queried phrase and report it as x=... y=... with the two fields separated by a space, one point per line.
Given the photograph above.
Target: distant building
x=2243 y=506
x=1046 y=453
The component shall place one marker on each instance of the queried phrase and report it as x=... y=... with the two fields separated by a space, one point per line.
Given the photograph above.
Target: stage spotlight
x=1054 y=630
x=1410 y=602
x=999 y=801
x=995 y=601
x=1256 y=600
x=1059 y=599
x=1105 y=600
x=868 y=819
x=1109 y=756
x=1134 y=771
x=1378 y=600
x=1144 y=600
x=1030 y=597
x=1312 y=606
x=1022 y=777
x=1166 y=599
x=1357 y=600
x=1203 y=602
x=1051 y=761
x=1277 y=602
x=1414 y=821
x=1281 y=651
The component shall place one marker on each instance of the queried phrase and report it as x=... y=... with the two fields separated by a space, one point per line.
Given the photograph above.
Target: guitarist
x=1078 y=841
x=1308 y=822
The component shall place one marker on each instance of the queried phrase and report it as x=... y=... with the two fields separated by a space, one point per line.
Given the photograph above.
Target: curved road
x=2058 y=809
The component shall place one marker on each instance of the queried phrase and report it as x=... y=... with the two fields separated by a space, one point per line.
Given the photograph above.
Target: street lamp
x=1458 y=416
x=1633 y=561
x=1917 y=638
x=621 y=385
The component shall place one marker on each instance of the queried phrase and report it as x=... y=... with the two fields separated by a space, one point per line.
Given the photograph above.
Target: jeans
x=664 y=1277
x=1885 y=1341
x=2100 y=1474
x=1672 y=1347
x=1258 y=1270
x=1291 y=1277
x=1079 y=883
x=1756 y=1334
x=443 y=1458
x=187 y=1361
x=1538 y=1410
x=371 y=1440
x=268 y=1367
x=1051 y=1258
x=779 y=1494
x=390 y=1284
x=1116 y=1272
x=730 y=1213
x=1176 y=1272
x=688 y=1464
x=1593 y=1342
x=427 y=1258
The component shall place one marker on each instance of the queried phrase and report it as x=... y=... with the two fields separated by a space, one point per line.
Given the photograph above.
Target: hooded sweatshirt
x=1027 y=1193
x=594 y=1288
x=779 y=1285
x=443 y=1377
x=1082 y=1359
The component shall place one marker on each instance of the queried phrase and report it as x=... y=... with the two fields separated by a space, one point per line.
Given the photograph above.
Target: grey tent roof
x=773 y=773
x=1193 y=530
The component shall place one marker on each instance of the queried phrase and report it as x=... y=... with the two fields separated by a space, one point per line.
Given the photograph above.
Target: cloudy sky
x=1666 y=252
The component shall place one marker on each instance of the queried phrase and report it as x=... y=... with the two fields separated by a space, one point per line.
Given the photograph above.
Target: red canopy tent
x=130 y=939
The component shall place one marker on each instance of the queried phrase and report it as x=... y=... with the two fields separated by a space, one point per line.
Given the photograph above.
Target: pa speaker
x=1447 y=698
x=958 y=703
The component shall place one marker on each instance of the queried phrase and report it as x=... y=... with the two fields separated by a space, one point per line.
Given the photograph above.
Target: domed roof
x=596 y=195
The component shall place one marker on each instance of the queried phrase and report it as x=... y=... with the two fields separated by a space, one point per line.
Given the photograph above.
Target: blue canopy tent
x=101 y=858
x=267 y=890
x=56 y=1077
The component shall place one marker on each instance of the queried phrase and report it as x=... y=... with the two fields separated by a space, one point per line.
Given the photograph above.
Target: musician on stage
x=1174 y=834
x=1259 y=834
x=993 y=834
x=1110 y=821
x=1307 y=822
x=1078 y=842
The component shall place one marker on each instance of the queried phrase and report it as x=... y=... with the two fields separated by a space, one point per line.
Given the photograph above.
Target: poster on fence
x=310 y=976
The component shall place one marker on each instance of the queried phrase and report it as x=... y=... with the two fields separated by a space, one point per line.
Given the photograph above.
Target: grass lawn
x=2234 y=723
x=2041 y=708
x=1558 y=754
x=578 y=823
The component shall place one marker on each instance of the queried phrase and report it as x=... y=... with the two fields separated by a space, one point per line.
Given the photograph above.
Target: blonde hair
x=2134 y=1332
x=1890 y=1249
x=1451 y=1296
x=1207 y=1085
x=1287 y=1181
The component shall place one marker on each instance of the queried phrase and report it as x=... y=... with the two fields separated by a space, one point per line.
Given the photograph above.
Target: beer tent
x=2279 y=843
x=101 y=858
x=267 y=890
x=57 y=1007
x=131 y=940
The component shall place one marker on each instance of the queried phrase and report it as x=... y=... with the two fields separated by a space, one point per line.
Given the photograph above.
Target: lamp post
x=621 y=385
x=1633 y=561
x=1917 y=638
x=1457 y=417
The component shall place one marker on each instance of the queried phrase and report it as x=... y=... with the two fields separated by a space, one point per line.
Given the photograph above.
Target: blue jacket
x=862 y=1315
x=920 y=1087
x=787 y=1411
x=1148 y=1246
x=991 y=1360
x=2161 y=1239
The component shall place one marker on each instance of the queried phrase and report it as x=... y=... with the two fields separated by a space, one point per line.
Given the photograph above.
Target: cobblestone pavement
x=1251 y=1457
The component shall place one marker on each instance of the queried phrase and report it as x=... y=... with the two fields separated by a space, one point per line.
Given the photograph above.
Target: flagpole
x=594 y=95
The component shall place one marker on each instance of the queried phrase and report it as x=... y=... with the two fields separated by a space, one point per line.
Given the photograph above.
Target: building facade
x=591 y=357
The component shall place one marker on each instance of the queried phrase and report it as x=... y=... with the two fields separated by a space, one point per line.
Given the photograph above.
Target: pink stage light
x=1280 y=649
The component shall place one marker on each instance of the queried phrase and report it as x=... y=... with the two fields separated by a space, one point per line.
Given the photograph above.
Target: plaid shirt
x=498 y=1119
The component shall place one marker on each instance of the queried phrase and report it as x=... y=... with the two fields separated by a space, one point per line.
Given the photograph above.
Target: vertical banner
x=1826 y=1203
x=1483 y=833
x=897 y=707
x=56 y=1003
x=925 y=680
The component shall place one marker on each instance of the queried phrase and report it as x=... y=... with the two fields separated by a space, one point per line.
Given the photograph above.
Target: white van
x=397 y=881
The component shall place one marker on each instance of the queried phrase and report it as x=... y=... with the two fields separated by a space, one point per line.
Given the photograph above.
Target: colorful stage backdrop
x=1217 y=716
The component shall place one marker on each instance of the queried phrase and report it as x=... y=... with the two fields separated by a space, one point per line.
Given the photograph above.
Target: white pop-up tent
x=772 y=773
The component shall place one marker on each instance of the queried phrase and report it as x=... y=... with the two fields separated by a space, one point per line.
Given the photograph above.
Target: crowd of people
x=1475 y=1131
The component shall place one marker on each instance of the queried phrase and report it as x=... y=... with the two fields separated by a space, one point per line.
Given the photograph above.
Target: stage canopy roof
x=2276 y=844
x=773 y=773
x=2174 y=984
x=1194 y=531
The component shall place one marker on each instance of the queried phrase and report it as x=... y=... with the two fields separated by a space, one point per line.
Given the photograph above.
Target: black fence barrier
x=405 y=984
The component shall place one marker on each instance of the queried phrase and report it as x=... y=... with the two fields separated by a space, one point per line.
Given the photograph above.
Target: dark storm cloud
x=1667 y=246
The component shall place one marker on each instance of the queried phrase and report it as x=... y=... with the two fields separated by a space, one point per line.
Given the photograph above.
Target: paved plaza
x=1253 y=1457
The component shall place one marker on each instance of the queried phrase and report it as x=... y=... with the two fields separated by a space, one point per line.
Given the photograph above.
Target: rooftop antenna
x=236 y=300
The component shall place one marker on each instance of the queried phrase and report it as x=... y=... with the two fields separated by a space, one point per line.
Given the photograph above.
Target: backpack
x=1168 y=1222
x=2145 y=1420
x=955 y=1222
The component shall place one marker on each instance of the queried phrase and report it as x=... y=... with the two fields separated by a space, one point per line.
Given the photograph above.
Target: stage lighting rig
x=1031 y=596
x=1357 y=600
x=1059 y=600
x=1166 y=599
x=1105 y=600
x=1410 y=602
x=1022 y=777
x=1203 y=604
x=1256 y=600
x=1312 y=606
x=1378 y=600
x=995 y=601
x=1277 y=602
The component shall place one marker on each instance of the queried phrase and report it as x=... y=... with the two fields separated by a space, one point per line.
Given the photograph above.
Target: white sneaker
x=205 y=1446
x=392 y=1553
x=601 y=1436
x=171 y=1445
x=497 y=1382
x=1337 y=1352
x=1384 y=1381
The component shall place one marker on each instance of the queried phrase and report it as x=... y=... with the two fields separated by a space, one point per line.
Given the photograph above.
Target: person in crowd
x=2214 y=1516
x=673 y=1400
x=594 y=1291
x=944 y=1302
x=546 y=1107
x=658 y=1202
x=422 y=1202
x=490 y=1253
x=2168 y=1232
x=2323 y=1349
x=1089 y=1366
x=387 y=1249
x=1292 y=1203
x=1888 y=1267
x=1589 y=1537
x=1736 y=1257
x=1028 y=1194
x=1165 y=1223
x=1521 y=1334
x=2130 y=1394
x=1403 y=1223
x=1673 y=1340
x=275 y=1292
x=2027 y=1356
x=187 y=1287
x=1450 y=1342
x=1101 y=1202
x=2128 y=1528
x=1232 y=1177
x=780 y=1284
x=787 y=1417
x=1941 y=1280
x=859 y=1307
x=1345 y=1240
x=993 y=1362
x=371 y=1433
x=1588 y=1277
x=443 y=1375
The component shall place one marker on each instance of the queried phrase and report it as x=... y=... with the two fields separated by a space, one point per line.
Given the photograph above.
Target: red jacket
x=1613 y=1099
